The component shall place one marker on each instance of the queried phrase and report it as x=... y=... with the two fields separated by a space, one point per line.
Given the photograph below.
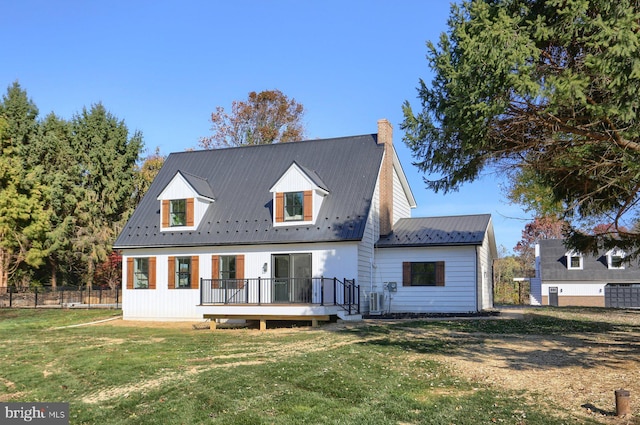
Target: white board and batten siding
x=456 y=296
x=162 y=303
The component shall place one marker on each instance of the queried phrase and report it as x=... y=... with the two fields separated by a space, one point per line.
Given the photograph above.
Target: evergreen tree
x=52 y=153
x=24 y=221
x=547 y=89
x=107 y=157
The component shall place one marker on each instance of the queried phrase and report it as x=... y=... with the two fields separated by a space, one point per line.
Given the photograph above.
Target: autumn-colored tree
x=109 y=272
x=145 y=173
x=264 y=118
x=540 y=228
x=505 y=269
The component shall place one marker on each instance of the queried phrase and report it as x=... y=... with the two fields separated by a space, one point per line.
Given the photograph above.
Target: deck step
x=343 y=315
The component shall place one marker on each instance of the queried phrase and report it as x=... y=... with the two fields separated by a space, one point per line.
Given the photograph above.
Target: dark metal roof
x=241 y=179
x=437 y=231
x=553 y=266
x=315 y=178
x=200 y=185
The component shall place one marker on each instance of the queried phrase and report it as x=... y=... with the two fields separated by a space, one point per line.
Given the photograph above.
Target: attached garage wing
x=621 y=295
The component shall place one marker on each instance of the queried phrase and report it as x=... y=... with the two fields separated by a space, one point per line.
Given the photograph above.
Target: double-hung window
x=228 y=271
x=183 y=272
x=293 y=206
x=141 y=273
x=178 y=212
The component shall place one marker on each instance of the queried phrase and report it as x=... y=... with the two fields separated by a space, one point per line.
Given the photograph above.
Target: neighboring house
x=298 y=230
x=565 y=277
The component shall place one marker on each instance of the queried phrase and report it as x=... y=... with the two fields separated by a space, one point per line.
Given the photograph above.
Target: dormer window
x=297 y=196
x=184 y=201
x=294 y=206
x=615 y=259
x=574 y=260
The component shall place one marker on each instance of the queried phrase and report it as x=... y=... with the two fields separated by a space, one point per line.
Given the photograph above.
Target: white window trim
x=572 y=254
x=615 y=253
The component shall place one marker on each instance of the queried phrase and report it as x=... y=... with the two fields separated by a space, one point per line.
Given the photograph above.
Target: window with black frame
x=141 y=273
x=178 y=212
x=293 y=206
x=228 y=271
x=183 y=272
x=423 y=273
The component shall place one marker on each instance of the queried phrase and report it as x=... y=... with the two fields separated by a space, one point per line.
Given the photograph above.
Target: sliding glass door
x=291 y=278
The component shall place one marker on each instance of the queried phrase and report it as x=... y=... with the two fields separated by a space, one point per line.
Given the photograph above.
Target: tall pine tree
x=23 y=219
x=107 y=157
x=52 y=154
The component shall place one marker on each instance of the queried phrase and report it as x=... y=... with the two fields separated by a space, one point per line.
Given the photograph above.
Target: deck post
x=335 y=293
x=259 y=290
x=349 y=292
x=263 y=324
x=225 y=283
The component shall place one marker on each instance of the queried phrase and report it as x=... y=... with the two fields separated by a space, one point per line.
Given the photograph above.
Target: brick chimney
x=385 y=137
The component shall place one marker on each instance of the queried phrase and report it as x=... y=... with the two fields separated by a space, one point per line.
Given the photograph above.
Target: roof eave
x=423 y=245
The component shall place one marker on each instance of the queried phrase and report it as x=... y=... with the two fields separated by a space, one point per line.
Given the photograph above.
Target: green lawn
x=149 y=375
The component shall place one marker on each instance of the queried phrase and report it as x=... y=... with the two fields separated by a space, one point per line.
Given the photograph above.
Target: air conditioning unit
x=376 y=302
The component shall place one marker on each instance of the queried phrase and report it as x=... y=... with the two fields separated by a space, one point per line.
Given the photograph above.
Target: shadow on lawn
x=537 y=341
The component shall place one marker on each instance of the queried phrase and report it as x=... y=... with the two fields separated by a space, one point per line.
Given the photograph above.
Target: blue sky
x=163 y=67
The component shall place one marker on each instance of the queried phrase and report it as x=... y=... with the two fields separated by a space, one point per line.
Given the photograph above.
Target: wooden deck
x=264 y=317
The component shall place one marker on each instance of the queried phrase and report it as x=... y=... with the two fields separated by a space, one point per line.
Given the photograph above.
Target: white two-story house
x=305 y=229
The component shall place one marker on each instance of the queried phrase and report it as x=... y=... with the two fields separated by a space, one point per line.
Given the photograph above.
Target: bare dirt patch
x=578 y=372
x=149 y=324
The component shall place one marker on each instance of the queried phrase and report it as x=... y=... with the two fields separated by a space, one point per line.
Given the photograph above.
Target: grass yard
x=404 y=372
